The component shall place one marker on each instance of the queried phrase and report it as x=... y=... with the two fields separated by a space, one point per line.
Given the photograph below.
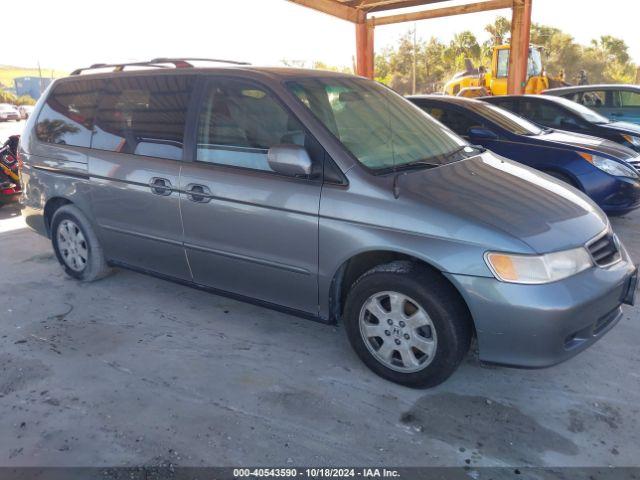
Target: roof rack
x=156 y=63
x=186 y=62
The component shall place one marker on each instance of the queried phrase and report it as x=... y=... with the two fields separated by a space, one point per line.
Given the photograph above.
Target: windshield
x=379 y=127
x=583 y=112
x=504 y=118
x=535 y=63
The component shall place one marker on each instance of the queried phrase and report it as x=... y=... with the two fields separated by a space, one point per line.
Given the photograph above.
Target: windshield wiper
x=417 y=164
x=451 y=154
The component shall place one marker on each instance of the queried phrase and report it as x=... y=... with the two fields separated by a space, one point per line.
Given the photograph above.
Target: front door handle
x=198 y=193
x=160 y=186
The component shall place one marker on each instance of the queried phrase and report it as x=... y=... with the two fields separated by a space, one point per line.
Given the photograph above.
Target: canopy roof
x=357 y=11
x=361 y=12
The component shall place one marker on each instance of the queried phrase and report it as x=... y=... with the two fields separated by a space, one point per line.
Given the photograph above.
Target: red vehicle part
x=9 y=170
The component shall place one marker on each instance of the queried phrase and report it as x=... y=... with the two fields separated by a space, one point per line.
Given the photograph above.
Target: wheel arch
x=355 y=266
x=51 y=207
x=566 y=173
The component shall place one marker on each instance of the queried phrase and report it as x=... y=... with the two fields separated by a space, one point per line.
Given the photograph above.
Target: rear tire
x=76 y=245
x=421 y=346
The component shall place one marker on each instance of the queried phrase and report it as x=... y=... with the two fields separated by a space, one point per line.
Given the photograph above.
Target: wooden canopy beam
x=355 y=11
x=333 y=8
x=520 y=38
x=382 y=5
x=442 y=12
x=364 y=49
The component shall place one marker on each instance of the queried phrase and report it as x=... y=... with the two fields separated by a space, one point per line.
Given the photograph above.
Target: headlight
x=535 y=269
x=635 y=141
x=612 y=167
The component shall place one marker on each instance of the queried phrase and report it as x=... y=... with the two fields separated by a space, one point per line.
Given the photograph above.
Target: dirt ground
x=133 y=370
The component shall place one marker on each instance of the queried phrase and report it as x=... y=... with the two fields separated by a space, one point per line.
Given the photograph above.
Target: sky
x=66 y=34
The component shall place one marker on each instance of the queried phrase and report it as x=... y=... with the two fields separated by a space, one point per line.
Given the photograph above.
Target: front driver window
x=239 y=123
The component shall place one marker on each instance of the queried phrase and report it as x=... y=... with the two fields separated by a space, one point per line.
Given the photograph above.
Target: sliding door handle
x=160 y=186
x=198 y=193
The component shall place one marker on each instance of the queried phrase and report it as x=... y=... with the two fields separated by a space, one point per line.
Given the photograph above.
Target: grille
x=604 y=250
x=635 y=163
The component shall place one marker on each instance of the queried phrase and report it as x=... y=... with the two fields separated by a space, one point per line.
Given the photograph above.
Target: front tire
x=76 y=245
x=408 y=324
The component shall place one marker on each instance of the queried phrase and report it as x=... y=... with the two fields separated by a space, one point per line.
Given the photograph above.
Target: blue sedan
x=604 y=170
x=562 y=113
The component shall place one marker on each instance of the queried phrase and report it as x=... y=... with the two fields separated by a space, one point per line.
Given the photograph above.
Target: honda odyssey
x=326 y=196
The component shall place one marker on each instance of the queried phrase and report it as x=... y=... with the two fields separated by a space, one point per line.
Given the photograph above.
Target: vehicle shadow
x=9 y=210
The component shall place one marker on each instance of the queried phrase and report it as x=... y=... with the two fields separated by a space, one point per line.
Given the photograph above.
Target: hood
x=509 y=198
x=589 y=143
x=623 y=127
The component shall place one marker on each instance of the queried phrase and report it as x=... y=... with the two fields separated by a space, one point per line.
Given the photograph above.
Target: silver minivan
x=327 y=196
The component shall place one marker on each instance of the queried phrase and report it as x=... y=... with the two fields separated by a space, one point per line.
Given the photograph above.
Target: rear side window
x=67 y=116
x=143 y=115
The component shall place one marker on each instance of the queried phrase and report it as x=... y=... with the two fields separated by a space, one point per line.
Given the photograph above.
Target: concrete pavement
x=135 y=370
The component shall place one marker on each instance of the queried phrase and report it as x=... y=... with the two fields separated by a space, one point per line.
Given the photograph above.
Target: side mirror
x=482 y=133
x=290 y=160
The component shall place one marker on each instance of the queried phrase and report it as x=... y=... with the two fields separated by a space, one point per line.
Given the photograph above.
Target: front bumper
x=535 y=326
x=615 y=195
x=625 y=198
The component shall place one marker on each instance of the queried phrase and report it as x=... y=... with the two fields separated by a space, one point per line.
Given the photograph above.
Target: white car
x=9 y=112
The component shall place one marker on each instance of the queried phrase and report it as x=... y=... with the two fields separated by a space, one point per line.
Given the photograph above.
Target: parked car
x=616 y=102
x=25 y=111
x=8 y=112
x=595 y=166
x=9 y=180
x=326 y=196
x=561 y=113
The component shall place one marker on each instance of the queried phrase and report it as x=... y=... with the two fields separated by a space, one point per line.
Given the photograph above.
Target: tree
x=25 y=100
x=498 y=30
x=605 y=59
x=464 y=45
x=7 y=97
x=560 y=52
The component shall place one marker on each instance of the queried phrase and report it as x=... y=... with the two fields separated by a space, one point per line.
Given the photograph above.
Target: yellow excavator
x=477 y=82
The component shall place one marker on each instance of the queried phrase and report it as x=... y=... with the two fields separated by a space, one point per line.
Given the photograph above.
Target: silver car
x=9 y=112
x=326 y=196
